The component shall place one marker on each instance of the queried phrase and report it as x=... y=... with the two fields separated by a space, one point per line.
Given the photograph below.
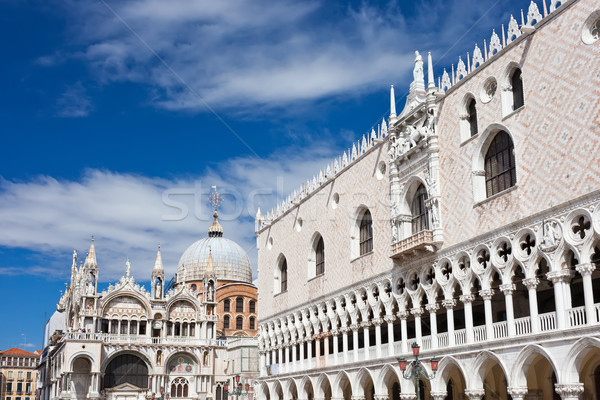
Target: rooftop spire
x=430 y=79
x=127 y=268
x=209 y=264
x=392 y=103
x=90 y=260
x=158 y=265
x=215 y=230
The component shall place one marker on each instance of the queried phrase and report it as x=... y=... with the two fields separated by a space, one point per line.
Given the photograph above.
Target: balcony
x=420 y=241
x=114 y=338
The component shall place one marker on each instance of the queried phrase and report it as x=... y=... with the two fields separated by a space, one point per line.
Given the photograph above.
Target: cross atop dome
x=215 y=199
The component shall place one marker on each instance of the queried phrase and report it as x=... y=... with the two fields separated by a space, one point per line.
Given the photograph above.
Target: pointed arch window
x=179 y=387
x=420 y=216
x=517 y=89
x=366 y=233
x=500 y=170
x=320 y=257
x=283 y=274
x=472 y=112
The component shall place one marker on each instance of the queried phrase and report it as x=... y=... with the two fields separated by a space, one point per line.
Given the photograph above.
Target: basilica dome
x=229 y=260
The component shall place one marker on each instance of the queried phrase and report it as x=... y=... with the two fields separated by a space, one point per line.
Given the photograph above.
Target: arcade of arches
x=533 y=373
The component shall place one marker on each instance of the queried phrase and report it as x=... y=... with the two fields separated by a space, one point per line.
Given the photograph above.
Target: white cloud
x=252 y=52
x=129 y=216
x=74 y=102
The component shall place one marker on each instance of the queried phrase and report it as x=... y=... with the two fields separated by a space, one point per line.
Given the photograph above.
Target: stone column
x=417 y=312
x=449 y=304
x=508 y=290
x=336 y=344
x=588 y=291
x=309 y=352
x=487 y=305
x=354 y=328
x=345 y=331
x=403 y=315
x=569 y=391
x=301 y=344
x=531 y=284
x=280 y=357
x=377 y=322
x=475 y=394
x=365 y=325
x=557 y=279
x=467 y=300
x=390 y=327
x=294 y=366
x=517 y=393
x=432 y=308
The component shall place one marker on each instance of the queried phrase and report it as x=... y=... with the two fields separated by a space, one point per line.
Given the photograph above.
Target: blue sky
x=112 y=111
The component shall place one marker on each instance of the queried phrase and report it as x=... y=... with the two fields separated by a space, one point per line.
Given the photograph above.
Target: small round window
x=591 y=28
x=488 y=90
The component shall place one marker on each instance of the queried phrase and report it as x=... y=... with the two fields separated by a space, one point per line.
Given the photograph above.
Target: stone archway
x=323 y=388
x=81 y=377
x=364 y=385
x=492 y=376
x=342 y=388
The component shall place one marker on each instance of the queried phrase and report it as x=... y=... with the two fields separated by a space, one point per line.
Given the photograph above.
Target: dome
x=229 y=260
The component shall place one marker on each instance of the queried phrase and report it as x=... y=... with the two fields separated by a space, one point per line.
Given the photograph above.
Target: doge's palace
x=467 y=223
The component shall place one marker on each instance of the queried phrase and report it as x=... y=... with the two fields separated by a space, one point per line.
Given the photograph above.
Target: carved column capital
x=389 y=318
x=417 y=311
x=449 y=303
x=486 y=294
x=408 y=396
x=479 y=173
x=355 y=327
x=467 y=298
x=403 y=314
x=507 y=289
x=475 y=394
x=377 y=321
x=357 y=397
x=517 y=393
x=365 y=324
x=345 y=329
x=568 y=391
x=381 y=397
x=559 y=276
x=432 y=308
x=439 y=395
x=531 y=283
x=585 y=269
x=335 y=332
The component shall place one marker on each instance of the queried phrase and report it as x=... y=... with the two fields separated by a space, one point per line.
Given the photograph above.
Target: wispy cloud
x=130 y=214
x=249 y=53
x=74 y=102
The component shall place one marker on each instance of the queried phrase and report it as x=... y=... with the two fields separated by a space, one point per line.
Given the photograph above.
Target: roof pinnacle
x=215 y=230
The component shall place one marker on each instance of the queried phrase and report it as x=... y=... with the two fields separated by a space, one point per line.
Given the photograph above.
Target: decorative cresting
x=496 y=44
x=441 y=280
x=325 y=175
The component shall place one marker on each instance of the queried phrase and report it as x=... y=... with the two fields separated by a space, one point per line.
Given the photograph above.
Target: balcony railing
x=139 y=339
x=419 y=241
